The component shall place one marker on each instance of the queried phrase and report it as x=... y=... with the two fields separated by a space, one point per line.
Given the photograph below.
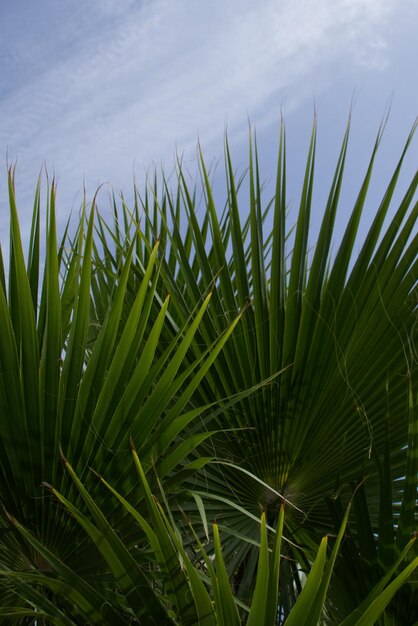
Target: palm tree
x=61 y=391
x=179 y=573
x=270 y=372
x=340 y=328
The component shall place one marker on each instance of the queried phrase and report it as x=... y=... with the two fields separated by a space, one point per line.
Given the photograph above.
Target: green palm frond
x=190 y=587
x=341 y=326
x=69 y=383
x=251 y=367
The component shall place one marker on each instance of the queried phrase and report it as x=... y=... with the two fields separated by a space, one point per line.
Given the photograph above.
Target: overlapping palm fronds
x=189 y=587
x=341 y=326
x=247 y=367
x=67 y=384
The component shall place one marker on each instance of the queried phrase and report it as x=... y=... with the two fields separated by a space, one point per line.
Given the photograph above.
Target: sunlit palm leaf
x=63 y=386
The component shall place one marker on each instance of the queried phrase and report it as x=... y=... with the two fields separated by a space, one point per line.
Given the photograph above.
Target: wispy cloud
x=133 y=80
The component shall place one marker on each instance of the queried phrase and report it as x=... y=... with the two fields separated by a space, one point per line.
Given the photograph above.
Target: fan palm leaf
x=191 y=587
x=64 y=386
x=341 y=326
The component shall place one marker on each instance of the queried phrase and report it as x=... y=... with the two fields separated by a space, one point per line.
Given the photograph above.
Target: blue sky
x=100 y=90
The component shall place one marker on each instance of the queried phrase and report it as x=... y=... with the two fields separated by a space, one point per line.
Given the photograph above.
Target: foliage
x=60 y=390
x=173 y=591
x=341 y=326
x=271 y=372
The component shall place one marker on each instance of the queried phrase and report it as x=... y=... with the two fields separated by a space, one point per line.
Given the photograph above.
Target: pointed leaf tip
x=96 y=474
x=63 y=457
x=10 y=517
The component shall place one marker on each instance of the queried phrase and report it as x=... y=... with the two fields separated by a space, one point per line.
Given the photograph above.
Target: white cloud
x=140 y=79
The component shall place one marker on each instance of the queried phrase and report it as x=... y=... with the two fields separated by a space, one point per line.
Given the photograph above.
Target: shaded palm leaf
x=191 y=588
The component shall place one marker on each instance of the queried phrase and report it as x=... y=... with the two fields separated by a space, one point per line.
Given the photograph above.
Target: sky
x=99 y=91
